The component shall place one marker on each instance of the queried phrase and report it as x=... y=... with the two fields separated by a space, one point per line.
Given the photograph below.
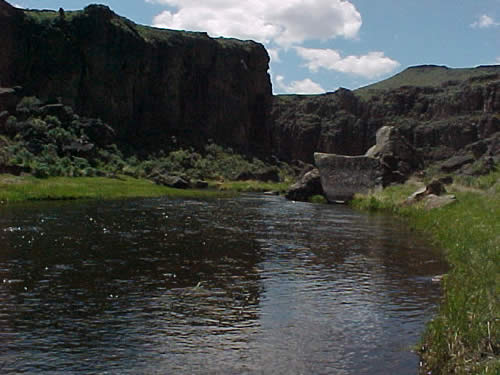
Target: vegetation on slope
x=432 y=76
x=464 y=337
x=49 y=140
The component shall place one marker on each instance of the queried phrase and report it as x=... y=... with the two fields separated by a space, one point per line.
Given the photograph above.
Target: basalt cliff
x=442 y=112
x=159 y=89
x=152 y=86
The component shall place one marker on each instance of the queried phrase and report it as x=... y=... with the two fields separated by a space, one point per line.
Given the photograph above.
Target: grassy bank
x=464 y=337
x=26 y=188
x=251 y=186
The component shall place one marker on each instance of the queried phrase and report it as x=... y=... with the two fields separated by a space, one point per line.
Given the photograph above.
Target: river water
x=251 y=285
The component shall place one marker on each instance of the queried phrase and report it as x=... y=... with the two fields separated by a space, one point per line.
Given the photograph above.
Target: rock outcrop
x=398 y=159
x=308 y=185
x=392 y=159
x=155 y=86
x=439 y=111
x=149 y=84
x=431 y=196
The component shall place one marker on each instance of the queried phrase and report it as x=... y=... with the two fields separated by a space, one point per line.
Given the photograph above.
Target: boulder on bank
x=170 y=181
x=343 y=176
x=397 y=157
x=307 y=186
x=392 y=159
x=431 y=196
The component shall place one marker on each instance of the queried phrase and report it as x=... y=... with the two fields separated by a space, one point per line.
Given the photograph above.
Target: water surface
x=255 y=285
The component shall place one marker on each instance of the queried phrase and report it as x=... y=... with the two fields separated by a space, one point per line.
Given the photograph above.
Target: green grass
x=431 y=76
x=251 y=186
x=27 y=188
x=464 y=337
x=47 y=16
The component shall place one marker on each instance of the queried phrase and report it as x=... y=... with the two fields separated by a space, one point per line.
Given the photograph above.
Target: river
x=249 y=285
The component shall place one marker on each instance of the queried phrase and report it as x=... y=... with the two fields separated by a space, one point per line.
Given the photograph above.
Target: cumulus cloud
x=285 y=22
x=371 y=65
x=306 y=86
x=274 y=53
x=484 y=21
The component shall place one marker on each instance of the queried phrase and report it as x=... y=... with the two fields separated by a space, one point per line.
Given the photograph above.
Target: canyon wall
x=439 y=117
x=155 y=87
x=161 y=88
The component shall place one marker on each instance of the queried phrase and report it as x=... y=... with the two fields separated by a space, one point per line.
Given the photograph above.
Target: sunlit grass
x=251 y=186
x=26 y=188
x=464 y=337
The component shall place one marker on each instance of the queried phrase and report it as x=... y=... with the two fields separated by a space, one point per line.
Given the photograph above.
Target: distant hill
x=432 y=76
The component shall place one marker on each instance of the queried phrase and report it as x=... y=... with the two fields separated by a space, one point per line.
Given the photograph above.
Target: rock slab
x=342 y=176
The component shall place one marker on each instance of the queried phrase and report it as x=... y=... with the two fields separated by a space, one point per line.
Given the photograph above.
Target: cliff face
x=152 y=85
x=149 y=84
x=439 y=117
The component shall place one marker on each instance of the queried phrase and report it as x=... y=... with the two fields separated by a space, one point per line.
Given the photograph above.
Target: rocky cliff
x=440 y=111
x=151 y=85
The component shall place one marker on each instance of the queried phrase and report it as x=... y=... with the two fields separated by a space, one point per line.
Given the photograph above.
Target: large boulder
x=342 y=176
x=391 y=159
x=397 y=157
x=431 y=196
x=307 y=186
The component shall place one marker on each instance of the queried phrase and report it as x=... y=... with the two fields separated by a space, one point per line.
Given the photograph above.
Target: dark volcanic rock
x=9 y=97
x=148 y=84
x=307 y=186
x=456 y=162
x=171 y=181
x=438 y=120
x=331 y=123
x=266 y=174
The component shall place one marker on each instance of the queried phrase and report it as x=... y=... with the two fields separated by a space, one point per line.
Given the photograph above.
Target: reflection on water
x=256 y=284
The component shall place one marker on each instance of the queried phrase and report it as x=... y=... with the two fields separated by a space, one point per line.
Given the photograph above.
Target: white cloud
x=17 y=6
x=286 y=22
x=498 y=60
x=306 y=86
x=371 y=65
x=484 y=22
x=274 y=53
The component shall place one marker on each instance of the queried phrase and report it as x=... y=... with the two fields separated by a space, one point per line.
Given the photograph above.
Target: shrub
x=28 y=105
x=40 y=170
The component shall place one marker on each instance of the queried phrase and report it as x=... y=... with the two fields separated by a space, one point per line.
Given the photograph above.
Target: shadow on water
x=255 y=284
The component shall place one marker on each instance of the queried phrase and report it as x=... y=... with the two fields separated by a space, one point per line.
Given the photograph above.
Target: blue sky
x=321 y=45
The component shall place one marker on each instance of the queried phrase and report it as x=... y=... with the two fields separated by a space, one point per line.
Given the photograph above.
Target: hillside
x=433 y=76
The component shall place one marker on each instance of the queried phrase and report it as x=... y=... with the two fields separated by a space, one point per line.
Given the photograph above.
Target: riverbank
x=29 y=188
x=464 y=337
